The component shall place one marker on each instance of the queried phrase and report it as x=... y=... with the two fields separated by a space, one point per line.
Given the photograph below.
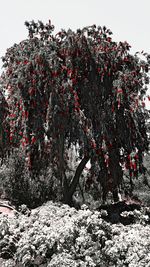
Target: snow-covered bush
x=56 y=235
x=52 y=232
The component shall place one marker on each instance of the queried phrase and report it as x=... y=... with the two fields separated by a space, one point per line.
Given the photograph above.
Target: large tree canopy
x=77 y=88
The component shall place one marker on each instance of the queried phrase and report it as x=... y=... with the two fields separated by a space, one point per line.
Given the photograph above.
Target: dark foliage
x=76 y=88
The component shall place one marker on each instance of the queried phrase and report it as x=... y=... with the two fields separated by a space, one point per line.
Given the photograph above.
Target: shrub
x=57 y=235
x=21 y=187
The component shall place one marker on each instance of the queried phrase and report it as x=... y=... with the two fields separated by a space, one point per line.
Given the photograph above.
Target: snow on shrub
x=56 y=235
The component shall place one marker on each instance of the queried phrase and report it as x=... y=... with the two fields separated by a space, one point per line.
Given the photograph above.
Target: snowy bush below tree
x=56 y=235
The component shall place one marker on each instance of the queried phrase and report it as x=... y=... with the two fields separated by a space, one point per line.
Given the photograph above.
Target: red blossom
x=93 y=144
x=13 y=115
x=54 y=74
x=33 y=139
x=11 y=137
x=33 y=81
x=134 y=166
x=25 y=114
x=74 y=81
x=109 y=39
x=113 y=108
x=31 y=91
x=98 y=151
x=119 y=91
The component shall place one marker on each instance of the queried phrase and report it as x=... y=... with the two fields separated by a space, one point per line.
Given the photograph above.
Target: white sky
x=129 y=20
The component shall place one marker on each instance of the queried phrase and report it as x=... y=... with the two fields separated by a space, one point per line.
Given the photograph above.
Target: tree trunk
x=75 y=181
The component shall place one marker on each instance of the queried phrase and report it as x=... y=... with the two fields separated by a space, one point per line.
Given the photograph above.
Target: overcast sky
x=129 y=20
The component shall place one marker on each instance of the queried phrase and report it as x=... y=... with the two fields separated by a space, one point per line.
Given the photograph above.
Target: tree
x=77 y=88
